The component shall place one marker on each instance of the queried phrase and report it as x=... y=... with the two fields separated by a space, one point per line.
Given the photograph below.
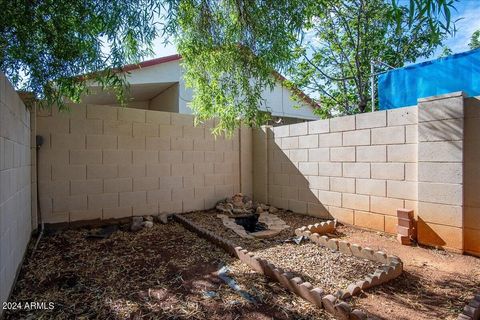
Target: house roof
x=176 y=57
x=152 y=62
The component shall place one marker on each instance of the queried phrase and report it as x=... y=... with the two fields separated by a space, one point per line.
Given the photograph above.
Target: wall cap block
x=443 y=96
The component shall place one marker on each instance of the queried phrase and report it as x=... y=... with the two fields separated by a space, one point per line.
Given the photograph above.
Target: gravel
x=322 y=267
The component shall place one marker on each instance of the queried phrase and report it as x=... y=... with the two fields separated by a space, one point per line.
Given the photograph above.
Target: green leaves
x=435 y=13
x=475 y=40
x=229 y=50
x=47 y=45
x=350 y=34
x=230 y=47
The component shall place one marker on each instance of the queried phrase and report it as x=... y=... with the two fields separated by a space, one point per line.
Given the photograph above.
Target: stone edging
x=316 y=296
x=472 y=310
x=392 y=265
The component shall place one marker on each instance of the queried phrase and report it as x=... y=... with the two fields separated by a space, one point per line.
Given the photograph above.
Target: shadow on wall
x=303 y=175
x=440 y=173
x=296 y=185
x=472 y=176
x=429 y=236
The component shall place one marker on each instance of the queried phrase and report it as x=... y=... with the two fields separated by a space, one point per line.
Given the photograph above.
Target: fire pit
x=250 y=223
x=249 y=219
x=263 y=225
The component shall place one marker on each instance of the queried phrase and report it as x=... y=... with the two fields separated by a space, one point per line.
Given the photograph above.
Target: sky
x=467 y=11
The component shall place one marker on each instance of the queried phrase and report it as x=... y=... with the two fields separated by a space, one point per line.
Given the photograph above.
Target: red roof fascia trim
x=297 y=91
x=149 y=63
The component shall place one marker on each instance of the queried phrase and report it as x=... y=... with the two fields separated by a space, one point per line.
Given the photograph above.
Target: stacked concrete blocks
x=16 y=185
x=406 y=226
x=471 y=176
x=440 y=170
x=359 y=169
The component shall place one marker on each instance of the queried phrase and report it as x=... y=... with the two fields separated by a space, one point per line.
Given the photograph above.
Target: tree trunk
x=362 y=105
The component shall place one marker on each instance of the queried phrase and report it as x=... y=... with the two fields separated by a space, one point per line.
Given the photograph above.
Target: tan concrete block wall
x=471 y=180
x=16 y=185
x=246 y=161
x=355 y=168
x=260 y=164
x=103 y=162
x=440 y=178
x=360 y=169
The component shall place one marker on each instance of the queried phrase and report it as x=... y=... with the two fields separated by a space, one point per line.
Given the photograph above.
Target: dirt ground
x=435 y=284
x=165 y=272
x=319 y=266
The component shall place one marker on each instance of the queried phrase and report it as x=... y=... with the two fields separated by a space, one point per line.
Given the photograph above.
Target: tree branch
x=323 y=73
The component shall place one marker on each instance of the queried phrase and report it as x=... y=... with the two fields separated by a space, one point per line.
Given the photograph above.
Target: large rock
x=137 y=224
x=163 y=217
x=240 y=204
x=147 y=224
x=272 y=209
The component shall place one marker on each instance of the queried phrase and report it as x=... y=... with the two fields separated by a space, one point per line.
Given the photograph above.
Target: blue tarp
x=402 y=87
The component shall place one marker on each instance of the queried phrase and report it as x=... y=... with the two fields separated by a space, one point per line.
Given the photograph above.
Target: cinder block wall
x=102 y=162
x=361 y=168
x=358 y=169
x=15 y=185
x=440 y=170
x=472 y=176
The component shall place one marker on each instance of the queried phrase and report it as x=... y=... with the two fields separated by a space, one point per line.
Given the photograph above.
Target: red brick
x=408 y=223
x=405 y=213
x=404 y=240
x=404 y=231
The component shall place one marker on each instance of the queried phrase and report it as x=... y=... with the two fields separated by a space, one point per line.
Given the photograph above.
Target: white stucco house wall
x=158 y=85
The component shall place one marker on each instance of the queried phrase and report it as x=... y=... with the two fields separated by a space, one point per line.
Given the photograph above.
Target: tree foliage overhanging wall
x=229 y=47
x=345 y=39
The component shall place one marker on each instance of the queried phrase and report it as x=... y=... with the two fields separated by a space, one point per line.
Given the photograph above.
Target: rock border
x=332 y=304
x=392 y=266
x=471 y=310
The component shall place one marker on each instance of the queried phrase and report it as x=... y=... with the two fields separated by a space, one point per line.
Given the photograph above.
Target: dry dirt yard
x=167 y=272
x=435 y=284
x=164 y=272
x=320 y=266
